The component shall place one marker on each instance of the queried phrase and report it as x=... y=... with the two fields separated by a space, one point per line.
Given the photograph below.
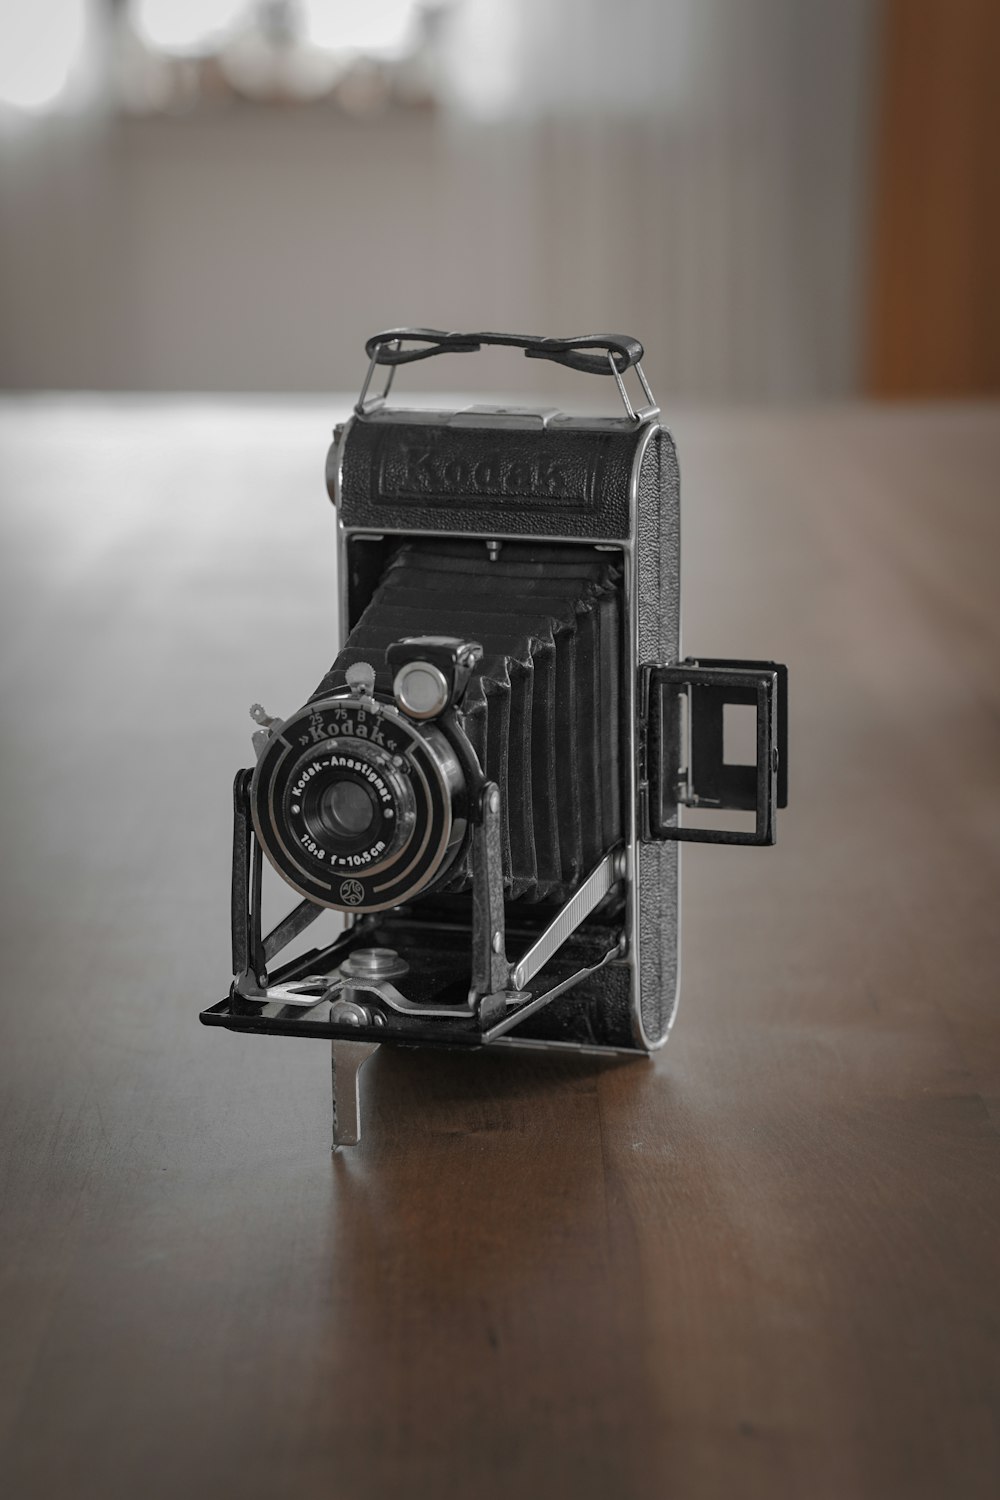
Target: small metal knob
x=260 y=738
x=374 y=963
x=360 y=678
x=421 y=690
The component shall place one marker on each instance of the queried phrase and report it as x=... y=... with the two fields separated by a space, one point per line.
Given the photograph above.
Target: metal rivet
x=345 y=1012
x=493 y=801
x=497 y=942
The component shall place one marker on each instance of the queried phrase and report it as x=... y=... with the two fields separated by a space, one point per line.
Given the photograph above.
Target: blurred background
x=786 y=199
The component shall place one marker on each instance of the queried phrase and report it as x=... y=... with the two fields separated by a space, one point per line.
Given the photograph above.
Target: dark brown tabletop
x=766 y=1264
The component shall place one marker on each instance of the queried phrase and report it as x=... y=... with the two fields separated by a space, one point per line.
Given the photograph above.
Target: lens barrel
x=358 y=808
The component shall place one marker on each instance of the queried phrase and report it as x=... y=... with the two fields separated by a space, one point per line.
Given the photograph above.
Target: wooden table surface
x=766 y=1264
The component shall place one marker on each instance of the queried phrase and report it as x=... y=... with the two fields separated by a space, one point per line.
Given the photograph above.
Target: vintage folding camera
x=487 y=780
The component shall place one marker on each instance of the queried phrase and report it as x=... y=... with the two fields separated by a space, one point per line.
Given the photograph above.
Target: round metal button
x=374 y=964
x=421 y=689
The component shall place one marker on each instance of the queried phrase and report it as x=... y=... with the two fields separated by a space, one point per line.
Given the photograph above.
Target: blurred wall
x=695 y=171
x=934 y=328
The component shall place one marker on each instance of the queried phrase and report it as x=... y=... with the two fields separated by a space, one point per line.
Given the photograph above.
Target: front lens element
x=348 y=806
x=346 y=809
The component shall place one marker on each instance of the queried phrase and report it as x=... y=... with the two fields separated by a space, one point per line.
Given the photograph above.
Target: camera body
x=487 y=781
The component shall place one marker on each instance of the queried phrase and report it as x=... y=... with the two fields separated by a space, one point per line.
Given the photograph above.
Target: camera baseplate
x=451 y=985
x=456 y=985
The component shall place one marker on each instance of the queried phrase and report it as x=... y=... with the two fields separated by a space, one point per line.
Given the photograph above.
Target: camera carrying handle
x=386 y=348
x=591 y=354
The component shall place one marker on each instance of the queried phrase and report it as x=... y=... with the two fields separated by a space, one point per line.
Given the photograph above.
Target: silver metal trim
x=386 y=991
x=509 y=1022
x=578 y=1049
x=297 y=920
x=346 y=1061
x=426 y=669
x=366 y=532
x=645 y=412
x=579 y=906
x=506 y=417
x=379 y=400
x=524 y=420
x=295 y=993
x=342 y=532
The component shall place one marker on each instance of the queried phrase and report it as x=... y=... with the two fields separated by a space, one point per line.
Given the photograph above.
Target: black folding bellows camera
x=487 y=780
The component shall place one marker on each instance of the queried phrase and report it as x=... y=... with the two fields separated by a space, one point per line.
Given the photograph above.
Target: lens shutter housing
x=344 y=761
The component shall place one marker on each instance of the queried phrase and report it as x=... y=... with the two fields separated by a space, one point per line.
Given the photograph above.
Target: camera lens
x=349 y=804
x=346 y=809
x=357 y=807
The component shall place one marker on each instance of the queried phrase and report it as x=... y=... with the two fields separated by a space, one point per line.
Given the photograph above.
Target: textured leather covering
x=657 y=556
x=558 y=481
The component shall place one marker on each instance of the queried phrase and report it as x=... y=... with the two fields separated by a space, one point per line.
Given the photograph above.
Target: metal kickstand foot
x=347 y=1059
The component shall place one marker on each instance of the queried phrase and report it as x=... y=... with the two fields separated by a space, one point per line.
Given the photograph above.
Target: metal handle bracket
x=590 y=353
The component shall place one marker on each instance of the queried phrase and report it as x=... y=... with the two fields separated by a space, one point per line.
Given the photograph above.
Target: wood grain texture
x=764 y=1264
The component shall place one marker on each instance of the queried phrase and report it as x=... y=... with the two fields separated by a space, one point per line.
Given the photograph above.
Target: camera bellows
x=543 y=710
